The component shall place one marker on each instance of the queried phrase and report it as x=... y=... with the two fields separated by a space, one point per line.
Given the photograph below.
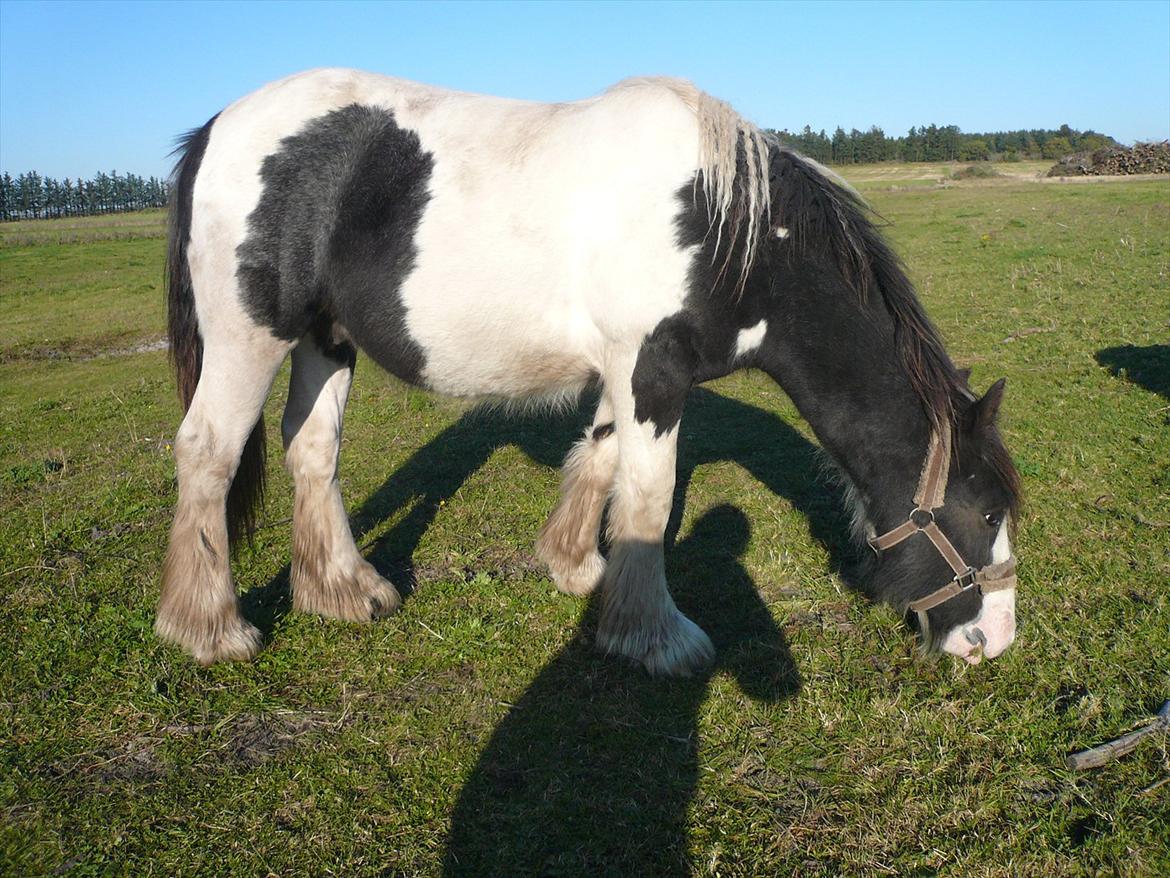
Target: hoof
x=226 y=638
x=579 y=580
x=674 y=647
x=361 y=596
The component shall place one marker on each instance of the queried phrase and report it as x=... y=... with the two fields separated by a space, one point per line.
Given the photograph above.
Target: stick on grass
x=1097 y=756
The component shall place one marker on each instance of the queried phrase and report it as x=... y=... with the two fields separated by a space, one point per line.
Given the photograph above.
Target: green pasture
x=476 y=732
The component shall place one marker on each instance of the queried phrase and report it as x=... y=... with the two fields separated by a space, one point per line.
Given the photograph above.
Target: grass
x=81 y=287
x=476 y=732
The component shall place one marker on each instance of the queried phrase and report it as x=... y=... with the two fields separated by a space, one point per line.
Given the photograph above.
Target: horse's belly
x=523 y=373
x=503 y=352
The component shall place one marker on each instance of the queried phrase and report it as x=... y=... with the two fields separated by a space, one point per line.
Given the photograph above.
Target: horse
x=638 y=242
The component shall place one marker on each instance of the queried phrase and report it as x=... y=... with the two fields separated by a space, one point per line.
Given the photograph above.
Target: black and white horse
x=643 y=240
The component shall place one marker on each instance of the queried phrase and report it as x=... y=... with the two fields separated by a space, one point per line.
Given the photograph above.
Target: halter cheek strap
x=932 y=486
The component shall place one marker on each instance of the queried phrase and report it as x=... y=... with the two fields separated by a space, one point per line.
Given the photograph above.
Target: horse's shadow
x=593 y=769
x=714 y=428
x=1148 y=367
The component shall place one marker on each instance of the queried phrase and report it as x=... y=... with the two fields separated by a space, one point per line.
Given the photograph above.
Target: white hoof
x=673 y=646
x=355 y=595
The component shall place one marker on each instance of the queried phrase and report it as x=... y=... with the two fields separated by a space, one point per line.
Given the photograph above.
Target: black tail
x=247 y=490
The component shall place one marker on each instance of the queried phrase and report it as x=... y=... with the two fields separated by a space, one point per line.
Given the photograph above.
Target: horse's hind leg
x=198 y=608
x=568 y=540
x=329 y=576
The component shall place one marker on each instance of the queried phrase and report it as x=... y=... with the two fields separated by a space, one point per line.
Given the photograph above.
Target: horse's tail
x=247 y=490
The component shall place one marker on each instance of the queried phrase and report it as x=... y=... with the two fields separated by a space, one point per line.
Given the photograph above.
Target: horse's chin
x=989 y=633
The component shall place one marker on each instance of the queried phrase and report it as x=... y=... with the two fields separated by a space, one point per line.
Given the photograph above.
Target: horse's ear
x=965 y=375
x=983 y=412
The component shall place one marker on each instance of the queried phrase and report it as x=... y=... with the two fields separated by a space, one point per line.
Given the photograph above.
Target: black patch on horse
x=852 y=346
x=332 y=238
x=664 y=373
x=698 y=343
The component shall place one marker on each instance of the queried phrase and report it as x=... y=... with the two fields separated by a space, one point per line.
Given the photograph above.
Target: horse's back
x=475 y=244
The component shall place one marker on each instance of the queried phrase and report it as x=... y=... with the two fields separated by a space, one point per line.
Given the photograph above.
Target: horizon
x=892 y=65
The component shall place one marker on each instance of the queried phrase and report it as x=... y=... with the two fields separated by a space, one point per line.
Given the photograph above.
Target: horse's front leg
x=638 y=616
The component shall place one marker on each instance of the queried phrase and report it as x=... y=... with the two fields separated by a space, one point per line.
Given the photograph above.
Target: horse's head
x=952 y=564
x=824 y=306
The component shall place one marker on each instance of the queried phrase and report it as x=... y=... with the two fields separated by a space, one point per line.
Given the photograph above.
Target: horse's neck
x=836 y=359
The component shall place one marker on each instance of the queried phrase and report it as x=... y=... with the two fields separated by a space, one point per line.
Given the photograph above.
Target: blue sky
x=93 y=85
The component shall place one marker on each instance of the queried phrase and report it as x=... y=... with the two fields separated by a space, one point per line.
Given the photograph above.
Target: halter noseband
x=932 y=486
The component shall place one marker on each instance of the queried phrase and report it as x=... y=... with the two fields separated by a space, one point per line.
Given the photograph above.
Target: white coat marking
x=997 y=618
x=751 y=338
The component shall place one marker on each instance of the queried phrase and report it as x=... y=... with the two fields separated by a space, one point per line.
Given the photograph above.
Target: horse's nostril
x=976 y=637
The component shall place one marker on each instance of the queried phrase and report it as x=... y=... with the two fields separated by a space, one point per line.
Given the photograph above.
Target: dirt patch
x=241 y=742
x=81 y=351
x=253 y=739
x=431 y=687
x=159 y=344
x=497 y=563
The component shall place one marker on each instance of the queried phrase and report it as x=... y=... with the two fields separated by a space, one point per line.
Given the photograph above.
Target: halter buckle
x=921 y=517
x=966 y=579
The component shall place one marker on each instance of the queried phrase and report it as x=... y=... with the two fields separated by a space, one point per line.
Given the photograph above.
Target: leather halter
x=932 y=486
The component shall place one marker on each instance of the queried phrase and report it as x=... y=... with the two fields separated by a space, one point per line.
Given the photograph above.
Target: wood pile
x=1143 y=158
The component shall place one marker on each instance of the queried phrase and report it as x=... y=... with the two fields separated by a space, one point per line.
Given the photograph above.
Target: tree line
x=945 y=143
x=31 y=196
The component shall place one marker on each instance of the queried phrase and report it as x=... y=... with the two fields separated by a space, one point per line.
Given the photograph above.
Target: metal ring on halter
x=921 y=517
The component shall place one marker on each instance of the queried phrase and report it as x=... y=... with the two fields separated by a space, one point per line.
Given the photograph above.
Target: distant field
x=903 y=173
x=141 y=224
x=476 y=732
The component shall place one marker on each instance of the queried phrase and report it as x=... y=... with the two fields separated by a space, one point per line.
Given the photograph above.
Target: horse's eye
x=994 y=519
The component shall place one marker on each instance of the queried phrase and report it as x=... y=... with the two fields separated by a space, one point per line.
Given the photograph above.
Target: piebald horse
x=640 y=241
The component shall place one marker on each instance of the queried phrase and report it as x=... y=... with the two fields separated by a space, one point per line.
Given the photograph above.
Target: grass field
x=476 y=732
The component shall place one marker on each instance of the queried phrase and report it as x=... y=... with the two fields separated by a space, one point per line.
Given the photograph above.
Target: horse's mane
x=824 y=215
x=751 y=183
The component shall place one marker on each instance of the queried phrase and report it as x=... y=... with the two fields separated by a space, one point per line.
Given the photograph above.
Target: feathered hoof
x=360 y=596
x=217 y=638
x=674 y=647
x=581 y=579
